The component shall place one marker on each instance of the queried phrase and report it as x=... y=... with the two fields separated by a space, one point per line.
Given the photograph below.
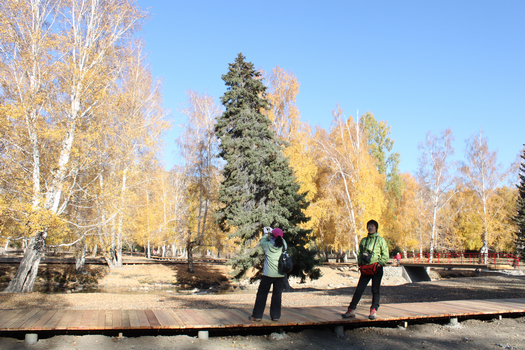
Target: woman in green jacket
x=372 y=250
x=272 y=243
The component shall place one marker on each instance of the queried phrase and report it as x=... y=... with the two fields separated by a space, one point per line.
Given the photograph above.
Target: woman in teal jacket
x=376 y=246
x=272 y=243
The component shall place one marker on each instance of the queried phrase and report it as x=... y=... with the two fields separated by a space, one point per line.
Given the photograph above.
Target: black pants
x=361 y=286
x=262 y=295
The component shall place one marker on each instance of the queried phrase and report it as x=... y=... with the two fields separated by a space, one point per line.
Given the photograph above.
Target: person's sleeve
x=384 y=253
x=359 y=262
x=265 y=242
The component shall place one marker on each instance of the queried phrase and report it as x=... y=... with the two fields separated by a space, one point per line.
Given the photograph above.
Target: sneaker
x=349 y=313
x=254 y=319
x=275 y=319
x=372 y=314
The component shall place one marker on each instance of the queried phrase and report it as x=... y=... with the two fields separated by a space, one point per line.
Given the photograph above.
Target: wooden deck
x=189 y=321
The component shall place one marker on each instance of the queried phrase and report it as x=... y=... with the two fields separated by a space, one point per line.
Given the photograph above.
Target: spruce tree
x=259 y=187
x=520 y=209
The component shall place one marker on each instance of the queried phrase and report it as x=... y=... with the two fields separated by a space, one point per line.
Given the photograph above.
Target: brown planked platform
x=192 y=320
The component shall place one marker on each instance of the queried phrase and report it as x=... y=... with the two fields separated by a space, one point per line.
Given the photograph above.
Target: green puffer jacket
x=380 y=253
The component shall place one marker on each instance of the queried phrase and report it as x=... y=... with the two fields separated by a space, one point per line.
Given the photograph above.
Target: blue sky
x=419 y=65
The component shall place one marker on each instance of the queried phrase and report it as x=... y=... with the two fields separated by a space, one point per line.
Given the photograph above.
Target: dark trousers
x=361 y=286
x=262 y=295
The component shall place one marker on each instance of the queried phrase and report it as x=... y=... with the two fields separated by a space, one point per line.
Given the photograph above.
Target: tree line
x=81 y=119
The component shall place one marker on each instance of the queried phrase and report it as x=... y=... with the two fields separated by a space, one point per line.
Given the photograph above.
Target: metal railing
x=464 y=258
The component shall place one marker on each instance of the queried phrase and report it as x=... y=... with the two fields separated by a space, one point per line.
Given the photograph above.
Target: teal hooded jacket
x=271 y=256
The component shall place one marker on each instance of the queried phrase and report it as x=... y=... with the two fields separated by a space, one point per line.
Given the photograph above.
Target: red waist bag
x=369 y=269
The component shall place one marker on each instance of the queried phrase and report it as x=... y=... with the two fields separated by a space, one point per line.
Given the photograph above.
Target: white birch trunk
x=6 y=247
x=119 y=231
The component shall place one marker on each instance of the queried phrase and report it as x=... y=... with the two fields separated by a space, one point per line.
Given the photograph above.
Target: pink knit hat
x=277 y=232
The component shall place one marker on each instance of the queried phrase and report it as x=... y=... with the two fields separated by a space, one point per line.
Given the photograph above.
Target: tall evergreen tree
x=520 y=209
x=259 y=187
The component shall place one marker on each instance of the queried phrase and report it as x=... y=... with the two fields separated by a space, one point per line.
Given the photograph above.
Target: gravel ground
x=508 y=333
x=335 y=288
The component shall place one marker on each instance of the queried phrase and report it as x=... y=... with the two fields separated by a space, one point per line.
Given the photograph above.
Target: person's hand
x=267 y=230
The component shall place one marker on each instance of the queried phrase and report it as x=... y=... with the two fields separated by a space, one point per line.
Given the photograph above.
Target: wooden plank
x=36 y=319
x=76 y=319
x=322 y=317
x=176 y=317
x=7 y=317
x=31 y=321
x=101 y=322
x=126 y=324
x=53 y=321
x=108 y=321
x=416 y=310
x=183 y=317
x=85 y=322
x=303 y=313
x=217 y=318
x=406 y=311
x=517 y=305
x=39 y=325
x=14 y=318
x=21 y=319
x=93 y=324
x=164 y=320
x=329 y=315
x=388 y=312
x=296 y=316
x=188 y=315
x=143 y=319
x=453 y=307
x=65 y=320
x=243 y=316
x=199 y=319
x=496 y=305
x=134 y=319
x=207 y=316
x=152 y=319
x=117 y=319
x=171 y=320
x=236 y=320
x=226 y=318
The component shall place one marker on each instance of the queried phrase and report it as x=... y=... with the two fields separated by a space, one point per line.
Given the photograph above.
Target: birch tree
x=483 y=176
x=436 y=183
x=137 y=122
x=408 y=221
x=199 y=149
x=69 y=49
x=354 y=178
x=380 y=147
